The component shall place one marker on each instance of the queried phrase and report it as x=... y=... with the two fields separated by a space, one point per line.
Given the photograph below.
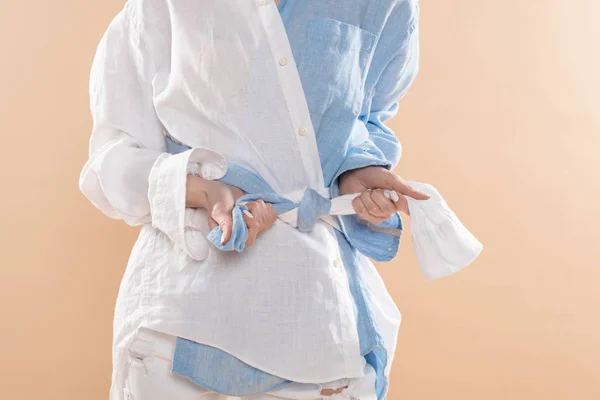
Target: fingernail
x=248 y=213
x=223 y=238
x=391 y=194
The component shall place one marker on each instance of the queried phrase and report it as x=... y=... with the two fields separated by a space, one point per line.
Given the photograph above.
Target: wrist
x=196 y=192
x=345 y=175
x=348 y=175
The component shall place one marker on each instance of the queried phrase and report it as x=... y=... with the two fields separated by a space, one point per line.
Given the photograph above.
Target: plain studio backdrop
x=503 y=119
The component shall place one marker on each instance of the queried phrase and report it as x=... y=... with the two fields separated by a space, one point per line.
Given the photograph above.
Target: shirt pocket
x=333 y=67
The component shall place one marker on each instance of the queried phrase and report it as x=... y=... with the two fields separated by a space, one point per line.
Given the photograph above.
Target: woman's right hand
x=218 y=199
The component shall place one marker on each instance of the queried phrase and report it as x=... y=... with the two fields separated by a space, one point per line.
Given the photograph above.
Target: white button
x=337 y=262
x=283 y=61
x=302 y=131
x=262 y=2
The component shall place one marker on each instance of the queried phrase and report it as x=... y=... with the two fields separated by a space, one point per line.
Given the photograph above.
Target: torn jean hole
x=338 y=394
x=331 y=392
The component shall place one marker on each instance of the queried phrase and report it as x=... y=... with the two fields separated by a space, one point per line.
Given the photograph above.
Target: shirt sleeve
x=129 y=175
x=392 y=85
x=397 y=74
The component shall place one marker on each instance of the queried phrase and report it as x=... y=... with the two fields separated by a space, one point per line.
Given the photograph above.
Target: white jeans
x=149 y=377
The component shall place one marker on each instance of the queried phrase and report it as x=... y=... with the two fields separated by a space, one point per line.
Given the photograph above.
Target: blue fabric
x=353 y=71
x=218 y=371
x=310 y=208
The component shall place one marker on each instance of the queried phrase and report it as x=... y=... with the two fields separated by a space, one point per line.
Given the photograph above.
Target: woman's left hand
x=370 y=182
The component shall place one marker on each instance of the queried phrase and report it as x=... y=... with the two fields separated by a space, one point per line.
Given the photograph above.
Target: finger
x=264 y=213
x=402 y=205
x=391 y=194
x=212 y=223
x=396 y=183
x=271 y=214
x=222 y=215
x=386 y=205
x=372 y=207
x=253 y=228
x=257 y=208
x=361 y=209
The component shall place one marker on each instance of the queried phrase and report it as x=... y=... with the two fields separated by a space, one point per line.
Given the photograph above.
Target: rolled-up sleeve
x=129 y=175
x=392 y=85
x=396 y=65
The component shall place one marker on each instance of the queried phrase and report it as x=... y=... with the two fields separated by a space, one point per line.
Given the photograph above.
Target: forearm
x=202 y=193
x=196 y=192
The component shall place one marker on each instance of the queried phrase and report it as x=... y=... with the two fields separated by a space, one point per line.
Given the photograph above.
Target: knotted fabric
x=442 y=244
x=301 y=214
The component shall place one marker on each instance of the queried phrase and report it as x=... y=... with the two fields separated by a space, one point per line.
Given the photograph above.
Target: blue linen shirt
x=355 y=60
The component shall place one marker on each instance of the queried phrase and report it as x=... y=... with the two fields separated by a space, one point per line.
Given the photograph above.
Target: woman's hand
x=370 y=182
x=261 y=215
x=218 y=199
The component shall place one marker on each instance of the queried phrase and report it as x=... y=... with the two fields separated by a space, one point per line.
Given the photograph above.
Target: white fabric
x=147 y=78
x=441 y=242
x=341 y=205
x=283 y=305
x=149 y=377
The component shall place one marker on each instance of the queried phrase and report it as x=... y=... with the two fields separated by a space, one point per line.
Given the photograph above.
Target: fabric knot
x=380 y=242
x=239 y=232
x=312 y=207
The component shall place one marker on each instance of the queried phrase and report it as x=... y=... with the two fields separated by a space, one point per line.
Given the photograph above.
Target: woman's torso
x=287 y=294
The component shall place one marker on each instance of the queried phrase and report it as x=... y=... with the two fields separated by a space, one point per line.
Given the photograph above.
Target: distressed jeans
x=149 y=377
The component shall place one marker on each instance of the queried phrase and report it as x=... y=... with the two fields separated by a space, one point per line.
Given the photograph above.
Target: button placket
x=293 y=93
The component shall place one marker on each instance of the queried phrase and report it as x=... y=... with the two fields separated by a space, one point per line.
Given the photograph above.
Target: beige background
x=503 y=119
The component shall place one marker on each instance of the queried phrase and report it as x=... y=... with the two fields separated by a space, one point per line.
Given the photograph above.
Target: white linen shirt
x=222 y=78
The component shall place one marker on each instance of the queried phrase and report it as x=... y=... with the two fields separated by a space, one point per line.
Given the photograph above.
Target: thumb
x=221 y=214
